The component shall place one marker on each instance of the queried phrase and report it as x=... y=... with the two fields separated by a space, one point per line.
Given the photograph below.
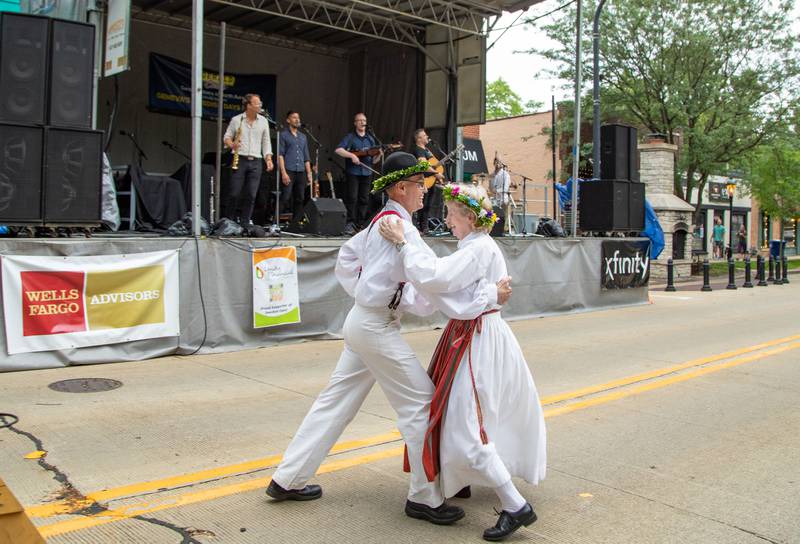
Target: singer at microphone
x=294 y=163
x=247 y=137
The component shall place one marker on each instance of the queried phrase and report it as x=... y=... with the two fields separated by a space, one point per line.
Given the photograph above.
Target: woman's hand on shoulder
x=392 y=229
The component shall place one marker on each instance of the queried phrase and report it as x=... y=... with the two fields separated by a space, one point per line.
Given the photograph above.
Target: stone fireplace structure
x=657 y=170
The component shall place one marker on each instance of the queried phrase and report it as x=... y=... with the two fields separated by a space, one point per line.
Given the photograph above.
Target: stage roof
x=332 y=26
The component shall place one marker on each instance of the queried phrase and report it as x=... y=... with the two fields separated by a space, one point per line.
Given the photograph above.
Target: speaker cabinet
x=71 y=74
x=24 y=49
x=619 y=153
x=20 y=174
x=72 y=176
x=324 y=216
x=609 y=205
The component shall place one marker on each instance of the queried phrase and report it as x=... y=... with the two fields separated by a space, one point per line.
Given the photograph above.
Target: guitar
x=438 y=164
x=376 y=150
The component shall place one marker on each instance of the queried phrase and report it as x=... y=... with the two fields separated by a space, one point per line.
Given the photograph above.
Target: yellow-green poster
x=276 y=298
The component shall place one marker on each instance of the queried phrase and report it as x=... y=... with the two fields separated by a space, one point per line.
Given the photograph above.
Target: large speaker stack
x=616 y=201
x=50 y=159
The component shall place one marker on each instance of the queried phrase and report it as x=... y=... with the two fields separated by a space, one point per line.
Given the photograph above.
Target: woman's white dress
x=512 y=414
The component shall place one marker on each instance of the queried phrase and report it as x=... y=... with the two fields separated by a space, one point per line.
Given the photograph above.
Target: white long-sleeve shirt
x=370 y=269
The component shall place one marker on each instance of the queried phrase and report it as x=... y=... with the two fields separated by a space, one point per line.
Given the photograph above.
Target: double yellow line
x=559 y=405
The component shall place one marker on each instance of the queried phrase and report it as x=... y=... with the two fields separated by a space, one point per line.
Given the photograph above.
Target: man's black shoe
x=308 y=493
x=444 y=514
x=508 y=523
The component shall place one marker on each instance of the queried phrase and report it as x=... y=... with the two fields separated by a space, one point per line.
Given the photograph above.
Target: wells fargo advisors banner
x=53 y=303
x=276 y=297
x=170 y=89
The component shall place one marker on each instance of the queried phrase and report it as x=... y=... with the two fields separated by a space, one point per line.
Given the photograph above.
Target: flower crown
x=486 y=218
x=398 y=175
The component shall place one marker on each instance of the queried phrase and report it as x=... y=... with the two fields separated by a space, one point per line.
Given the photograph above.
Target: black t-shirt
x=422 y=153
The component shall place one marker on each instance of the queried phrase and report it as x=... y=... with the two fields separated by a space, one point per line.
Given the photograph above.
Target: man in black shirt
x=421 y=152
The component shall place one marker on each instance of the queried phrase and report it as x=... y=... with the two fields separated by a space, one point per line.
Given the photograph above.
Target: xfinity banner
x=170 y=89
x=625 y=264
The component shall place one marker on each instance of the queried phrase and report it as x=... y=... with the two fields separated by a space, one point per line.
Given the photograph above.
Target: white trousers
x=374 y=351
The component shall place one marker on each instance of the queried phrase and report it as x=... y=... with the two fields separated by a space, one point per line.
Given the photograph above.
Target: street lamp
x=731 y=188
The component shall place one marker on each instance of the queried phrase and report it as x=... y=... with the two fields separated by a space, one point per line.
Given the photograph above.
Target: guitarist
x=357 y=172
x=422 y=153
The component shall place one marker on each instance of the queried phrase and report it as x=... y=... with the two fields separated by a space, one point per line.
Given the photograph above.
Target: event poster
x=276 y=297
x=53 y=303
x=625 y=264
x=170 y=89
x=117 y=33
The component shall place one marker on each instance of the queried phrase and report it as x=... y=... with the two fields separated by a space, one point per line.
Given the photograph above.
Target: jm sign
x=625 y=264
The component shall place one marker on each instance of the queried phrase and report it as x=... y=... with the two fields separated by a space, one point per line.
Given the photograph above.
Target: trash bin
x=775 y=248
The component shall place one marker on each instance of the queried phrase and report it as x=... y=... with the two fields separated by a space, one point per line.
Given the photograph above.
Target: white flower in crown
x=482 y=213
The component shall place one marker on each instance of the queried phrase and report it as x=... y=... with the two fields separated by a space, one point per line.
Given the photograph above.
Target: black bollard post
x=762 y=280
x=731 y=285
x=771 y=277
x=778 y=270
x=785 y=269
x=747 y=280
x=670 y=276
x=706 y=284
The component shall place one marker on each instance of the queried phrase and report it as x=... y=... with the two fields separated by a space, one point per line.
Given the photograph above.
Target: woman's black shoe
x=508 y=523
x=465 y=493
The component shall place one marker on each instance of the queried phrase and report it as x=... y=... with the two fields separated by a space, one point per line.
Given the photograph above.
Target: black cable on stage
x=202 y=300
x=4 y=420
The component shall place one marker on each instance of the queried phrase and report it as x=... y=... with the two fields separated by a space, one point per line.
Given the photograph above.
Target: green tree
x=774 y=179
x=502 y=101
x=715 y=76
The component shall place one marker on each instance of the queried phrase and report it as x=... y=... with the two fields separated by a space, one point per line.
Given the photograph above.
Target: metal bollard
x=785 y=269
x=670 y=276
x=731 y=285
x=706 y=284
x=747 y=280
x=771 y=277
x=778 y=270
x=762 y=280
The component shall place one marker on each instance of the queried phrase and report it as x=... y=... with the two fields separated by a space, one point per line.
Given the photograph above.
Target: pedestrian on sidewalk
x=486 y=423
x=719 y=238
x=370 y=269
x=741 y=239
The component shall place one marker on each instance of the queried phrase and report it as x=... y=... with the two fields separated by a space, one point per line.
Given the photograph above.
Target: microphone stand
x=308 y=132
x=176 y=149
x=275 y=228
x=132 y=138
x=525 y=180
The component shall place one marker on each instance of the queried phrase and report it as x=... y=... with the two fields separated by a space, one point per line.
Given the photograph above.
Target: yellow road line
x=142 y=508
x=67 y=507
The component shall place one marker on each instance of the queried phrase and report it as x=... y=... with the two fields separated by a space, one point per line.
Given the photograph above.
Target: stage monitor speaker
x=499 y=225
x=72 y=176
x=619 y=153
x=20 y=174
x=604 y=205
x=23 y=68
x=71 y=74
x=324 y=216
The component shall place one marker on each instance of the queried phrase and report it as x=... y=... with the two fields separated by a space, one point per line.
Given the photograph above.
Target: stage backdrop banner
x=53 y=303
x=625 y=264
x=170 y=89
x=276 y=297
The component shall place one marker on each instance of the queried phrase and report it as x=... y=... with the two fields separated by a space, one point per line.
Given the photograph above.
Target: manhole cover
x=85 y=385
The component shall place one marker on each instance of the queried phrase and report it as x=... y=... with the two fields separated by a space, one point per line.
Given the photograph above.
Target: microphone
x=123 y=133
x=303 y=125
x=166 y=143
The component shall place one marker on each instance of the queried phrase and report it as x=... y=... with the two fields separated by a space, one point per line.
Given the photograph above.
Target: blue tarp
x=652 y=228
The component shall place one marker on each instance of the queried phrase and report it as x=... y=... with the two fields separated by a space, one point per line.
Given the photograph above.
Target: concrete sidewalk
x=694 y=447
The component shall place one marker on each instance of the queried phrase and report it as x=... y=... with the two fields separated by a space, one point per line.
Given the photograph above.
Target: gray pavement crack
x=73 y=497
x=672 y=506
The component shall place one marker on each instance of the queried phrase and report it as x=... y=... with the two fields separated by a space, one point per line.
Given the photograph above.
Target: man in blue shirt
x=294 y=162
x=359 y=178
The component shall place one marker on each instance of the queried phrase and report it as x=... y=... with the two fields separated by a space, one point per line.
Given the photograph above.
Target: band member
x=359 y=177
x=294 y=162
x=501 y=183
x=248 y=137
x=422 y=153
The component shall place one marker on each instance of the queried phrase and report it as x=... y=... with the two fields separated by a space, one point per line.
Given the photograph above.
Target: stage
x=550 y=276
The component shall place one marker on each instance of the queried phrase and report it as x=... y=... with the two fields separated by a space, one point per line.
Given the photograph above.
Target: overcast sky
x=522 y=71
